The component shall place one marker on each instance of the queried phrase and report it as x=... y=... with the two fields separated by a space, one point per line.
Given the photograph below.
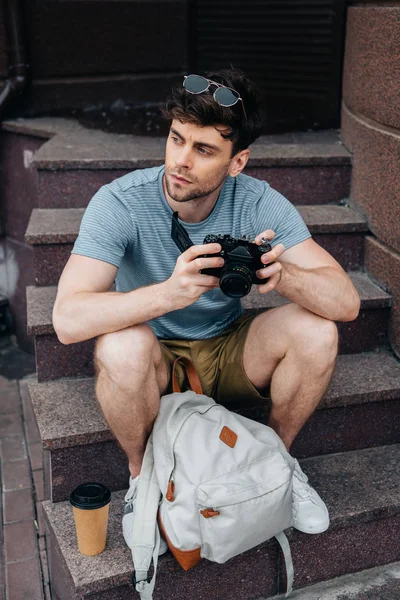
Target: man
x=164 y=306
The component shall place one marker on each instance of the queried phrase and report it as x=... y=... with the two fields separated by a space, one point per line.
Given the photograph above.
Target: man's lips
x=179 y=179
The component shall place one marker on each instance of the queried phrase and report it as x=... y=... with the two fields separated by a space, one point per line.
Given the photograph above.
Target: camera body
x=242 y=259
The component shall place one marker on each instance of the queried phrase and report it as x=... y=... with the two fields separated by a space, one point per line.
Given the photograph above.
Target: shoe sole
x=310 y=530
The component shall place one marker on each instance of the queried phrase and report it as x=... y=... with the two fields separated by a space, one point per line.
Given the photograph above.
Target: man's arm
x=85 y=308
x=310 y=276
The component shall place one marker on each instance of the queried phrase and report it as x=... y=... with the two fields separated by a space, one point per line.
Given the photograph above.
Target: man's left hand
x=274 y=269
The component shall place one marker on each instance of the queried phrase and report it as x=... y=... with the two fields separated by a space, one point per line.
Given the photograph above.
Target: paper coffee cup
x=90 y=504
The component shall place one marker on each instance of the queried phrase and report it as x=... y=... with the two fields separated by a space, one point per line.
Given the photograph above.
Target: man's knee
x=314 y=335
x=134 y=348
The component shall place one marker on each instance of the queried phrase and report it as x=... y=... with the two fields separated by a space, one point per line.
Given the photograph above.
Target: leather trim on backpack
x=186 y=558
x=194 y=379
x=228 y=436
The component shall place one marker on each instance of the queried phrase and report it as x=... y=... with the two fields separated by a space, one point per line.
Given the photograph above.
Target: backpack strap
x=191 y=372
x=146 y=534
x=284 y=544
x=144 y=587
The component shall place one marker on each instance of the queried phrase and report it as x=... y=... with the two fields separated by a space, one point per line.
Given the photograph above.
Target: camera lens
x=235 y=281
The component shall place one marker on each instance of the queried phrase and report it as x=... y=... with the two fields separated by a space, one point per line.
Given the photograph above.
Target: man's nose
x=184 y=158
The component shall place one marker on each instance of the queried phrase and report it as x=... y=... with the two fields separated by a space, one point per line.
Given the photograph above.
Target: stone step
x=52 y=233
x=362 y=492
x=379 y=583
x=310 y=167
x=53 y=360
x=358 y=411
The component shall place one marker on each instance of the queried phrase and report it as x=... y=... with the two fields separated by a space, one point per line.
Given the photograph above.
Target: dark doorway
x=293 y=50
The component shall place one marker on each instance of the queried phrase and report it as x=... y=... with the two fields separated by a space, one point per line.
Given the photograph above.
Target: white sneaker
x=310 y=514
x=127 y=519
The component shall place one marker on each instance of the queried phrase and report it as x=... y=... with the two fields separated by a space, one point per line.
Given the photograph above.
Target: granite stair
x=349 y=447
x=378 y=583
x=54 y=360
x=361 y=489
x=361 y=409
x=74 y=162
x=52 y=233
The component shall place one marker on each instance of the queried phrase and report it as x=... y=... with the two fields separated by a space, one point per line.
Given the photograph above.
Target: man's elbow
x=63 y=335
x=63 y=329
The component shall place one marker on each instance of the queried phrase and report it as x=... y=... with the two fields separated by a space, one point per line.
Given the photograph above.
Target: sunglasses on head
x=225 y=96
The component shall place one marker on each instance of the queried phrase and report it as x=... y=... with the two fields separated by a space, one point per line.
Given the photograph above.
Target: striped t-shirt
x=128 y=224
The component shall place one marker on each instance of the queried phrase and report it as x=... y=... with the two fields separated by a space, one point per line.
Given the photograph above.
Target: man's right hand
x=186 y=284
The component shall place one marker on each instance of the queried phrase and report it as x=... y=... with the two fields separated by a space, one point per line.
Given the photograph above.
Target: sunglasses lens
x=226 y=97
x=195 y=84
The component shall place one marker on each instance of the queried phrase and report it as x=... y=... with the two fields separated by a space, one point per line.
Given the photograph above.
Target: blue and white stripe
x=128 y=224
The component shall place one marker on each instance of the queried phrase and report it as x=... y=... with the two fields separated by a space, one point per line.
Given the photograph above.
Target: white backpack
x=218 y=482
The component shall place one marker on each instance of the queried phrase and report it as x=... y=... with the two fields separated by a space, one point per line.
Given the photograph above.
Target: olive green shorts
x=218 y=362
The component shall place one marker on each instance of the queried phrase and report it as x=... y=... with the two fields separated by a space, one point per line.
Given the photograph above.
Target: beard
x=196 y=190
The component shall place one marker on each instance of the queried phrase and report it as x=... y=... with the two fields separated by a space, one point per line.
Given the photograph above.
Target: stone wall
x=371 y=131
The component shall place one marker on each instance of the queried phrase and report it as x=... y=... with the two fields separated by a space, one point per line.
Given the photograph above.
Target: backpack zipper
x=170 y=495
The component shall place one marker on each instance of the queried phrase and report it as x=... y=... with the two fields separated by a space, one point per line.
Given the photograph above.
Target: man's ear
x=238 y=162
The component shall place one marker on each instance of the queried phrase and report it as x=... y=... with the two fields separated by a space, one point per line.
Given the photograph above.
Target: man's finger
x=275 y=253
x=206 y=281
x=206 y=263
x=271 y=284
x=269 y=271
x=200 y=249
x=268 y=233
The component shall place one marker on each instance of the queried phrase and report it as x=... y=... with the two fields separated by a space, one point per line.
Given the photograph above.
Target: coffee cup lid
x=89 y=496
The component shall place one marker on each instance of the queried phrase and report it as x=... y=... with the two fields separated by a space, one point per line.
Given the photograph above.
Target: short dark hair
x=203 y=110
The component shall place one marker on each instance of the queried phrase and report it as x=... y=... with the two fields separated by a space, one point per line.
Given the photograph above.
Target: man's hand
x=274 y=270
x=309 y=276
x=186 y=284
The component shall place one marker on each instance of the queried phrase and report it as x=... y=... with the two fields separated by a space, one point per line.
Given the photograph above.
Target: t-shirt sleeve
x=273 y=211
x=106 y=228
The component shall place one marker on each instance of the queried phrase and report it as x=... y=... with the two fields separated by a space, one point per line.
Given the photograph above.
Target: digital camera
x=242 y=259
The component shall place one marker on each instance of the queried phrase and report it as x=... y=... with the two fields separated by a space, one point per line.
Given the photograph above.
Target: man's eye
x=203 y=151
x=174 y=139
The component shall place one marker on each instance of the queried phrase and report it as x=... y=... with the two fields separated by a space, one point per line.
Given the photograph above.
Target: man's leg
x=294 y=351
x=131 y=376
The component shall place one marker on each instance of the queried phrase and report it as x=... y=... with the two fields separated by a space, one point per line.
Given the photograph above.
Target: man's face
x=197 y=161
